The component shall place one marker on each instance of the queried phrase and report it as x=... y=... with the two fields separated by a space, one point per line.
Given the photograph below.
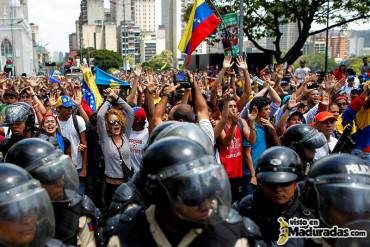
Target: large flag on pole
x=91 y=98
x=202 y=22
x=103 y=78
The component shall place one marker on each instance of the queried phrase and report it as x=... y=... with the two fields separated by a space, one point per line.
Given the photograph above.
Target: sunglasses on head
x=114 y=122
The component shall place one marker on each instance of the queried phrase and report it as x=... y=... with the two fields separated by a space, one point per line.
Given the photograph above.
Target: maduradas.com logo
x=309 y=228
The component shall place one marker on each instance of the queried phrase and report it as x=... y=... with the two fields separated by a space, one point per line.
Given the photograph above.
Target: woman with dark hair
x=114 y=128
x=50 y=132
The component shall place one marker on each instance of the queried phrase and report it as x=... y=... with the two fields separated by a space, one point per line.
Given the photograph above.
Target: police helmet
x=18 y=113
x=340 y=183
x=178 y=171
x=279 y=165
x=26 y=213
x=158 y=130
x=301 y=136
x=44 y=162
x=187 y=130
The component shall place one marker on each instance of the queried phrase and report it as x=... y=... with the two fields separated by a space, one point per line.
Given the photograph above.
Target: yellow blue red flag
x=202 y=22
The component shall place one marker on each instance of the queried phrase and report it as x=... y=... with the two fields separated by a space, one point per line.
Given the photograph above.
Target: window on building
x=6 y=48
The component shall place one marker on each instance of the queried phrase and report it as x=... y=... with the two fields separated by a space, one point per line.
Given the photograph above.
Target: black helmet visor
x=343 y=200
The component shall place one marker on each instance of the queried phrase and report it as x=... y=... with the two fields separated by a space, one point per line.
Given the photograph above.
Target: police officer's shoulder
x=111 y=224
x=130 y=214
x=233 y=217
x=56 y=243
x=244 y=205
x=73 y=197
x=252 y=229
x=89 y=209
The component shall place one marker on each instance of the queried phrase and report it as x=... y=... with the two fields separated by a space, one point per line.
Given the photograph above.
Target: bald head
x=183 y=113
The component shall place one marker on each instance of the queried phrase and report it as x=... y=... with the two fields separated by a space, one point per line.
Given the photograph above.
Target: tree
x=163 y=61
x=262 y=19
x=104 y=59
x=317 y=62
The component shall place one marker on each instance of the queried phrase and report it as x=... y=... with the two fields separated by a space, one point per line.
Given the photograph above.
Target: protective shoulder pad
x=252 y=229
x=233 y=217
x=244 y=205
x=130 y=214
x=72 y=197
x=89 y=208
x=111 y=224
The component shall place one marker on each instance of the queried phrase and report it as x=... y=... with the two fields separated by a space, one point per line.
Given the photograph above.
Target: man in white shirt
x=302 y=71
x=73 y=128
x=138 y=137
x=325 y=123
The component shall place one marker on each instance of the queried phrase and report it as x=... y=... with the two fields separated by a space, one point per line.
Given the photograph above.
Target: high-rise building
x=339 y=46
x=92 y=12
x=122 y=10
x=359 y=43
x=148 y=47
x=144 y=15
x=161 y=39
x=130 y=41
x=16 y=36
x=73 y=42
x=290 y=35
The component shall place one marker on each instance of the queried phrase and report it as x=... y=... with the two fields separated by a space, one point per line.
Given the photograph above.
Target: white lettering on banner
x=233 y=155
x=358 y=169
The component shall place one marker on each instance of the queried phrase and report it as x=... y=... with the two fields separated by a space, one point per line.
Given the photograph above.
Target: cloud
x=56 y=20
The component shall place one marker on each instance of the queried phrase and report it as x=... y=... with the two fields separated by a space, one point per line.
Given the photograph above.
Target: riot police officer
x=19 y=118
x=278 y=171
x=187 y=196
x=75 y=216
x=26 y=213
x=304 y=140
x=339 y=187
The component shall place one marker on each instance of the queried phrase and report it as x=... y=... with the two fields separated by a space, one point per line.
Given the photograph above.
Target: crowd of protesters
x=242 y=114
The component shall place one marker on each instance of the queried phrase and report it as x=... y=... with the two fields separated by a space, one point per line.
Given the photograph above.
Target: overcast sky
x=56 y=20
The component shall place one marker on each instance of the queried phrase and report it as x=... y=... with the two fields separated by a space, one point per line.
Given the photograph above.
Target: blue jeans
x=248 y=187
x=82 y=183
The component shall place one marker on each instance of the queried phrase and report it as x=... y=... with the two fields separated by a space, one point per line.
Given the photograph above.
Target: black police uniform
x=266 y=215
x=134 y=231
x=48 y=165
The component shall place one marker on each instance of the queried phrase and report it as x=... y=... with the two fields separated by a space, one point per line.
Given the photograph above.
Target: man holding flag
x=202 y=22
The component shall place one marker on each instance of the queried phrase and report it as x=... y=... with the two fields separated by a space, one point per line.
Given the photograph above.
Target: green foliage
x=317 y=62
x=104 y=59
x=262 y=18
x=355 y=64
x=162 y=61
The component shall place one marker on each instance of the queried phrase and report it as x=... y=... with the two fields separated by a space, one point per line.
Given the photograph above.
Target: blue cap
x=65 y=101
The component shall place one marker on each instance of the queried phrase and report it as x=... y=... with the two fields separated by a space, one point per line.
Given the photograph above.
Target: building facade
x=130 y=41
x=16 y=36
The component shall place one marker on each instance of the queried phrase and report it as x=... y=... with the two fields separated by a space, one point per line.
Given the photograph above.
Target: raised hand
x=325 y=99
x=227 y=63
x=241 y=63
x=253 y=115
x=138 y=70
x=235 y=118
x=267 y=123
x=292 y=103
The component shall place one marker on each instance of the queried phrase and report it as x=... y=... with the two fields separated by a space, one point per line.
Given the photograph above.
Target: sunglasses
x=341 y=104
x=114 y=122
x=26 y=96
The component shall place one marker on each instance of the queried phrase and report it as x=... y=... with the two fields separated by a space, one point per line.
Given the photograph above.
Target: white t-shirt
x=206 y=126
x=138 y=142
x=68 y=131
x=324 y=150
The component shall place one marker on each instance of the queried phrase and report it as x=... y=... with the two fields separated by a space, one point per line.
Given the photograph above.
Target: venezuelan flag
x=91 y=98
x=202 y=23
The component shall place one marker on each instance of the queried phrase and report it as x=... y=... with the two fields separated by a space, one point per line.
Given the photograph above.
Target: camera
x=182 y=79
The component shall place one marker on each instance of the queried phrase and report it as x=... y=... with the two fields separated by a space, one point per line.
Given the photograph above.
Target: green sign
x=229 y=20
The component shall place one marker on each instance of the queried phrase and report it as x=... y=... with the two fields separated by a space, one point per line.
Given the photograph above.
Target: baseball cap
x=114 y=85
x=140 y=113
x=323 y=116
x=65 y=101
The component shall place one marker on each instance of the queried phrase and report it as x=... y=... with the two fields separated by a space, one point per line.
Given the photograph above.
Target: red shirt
x=231 y=155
